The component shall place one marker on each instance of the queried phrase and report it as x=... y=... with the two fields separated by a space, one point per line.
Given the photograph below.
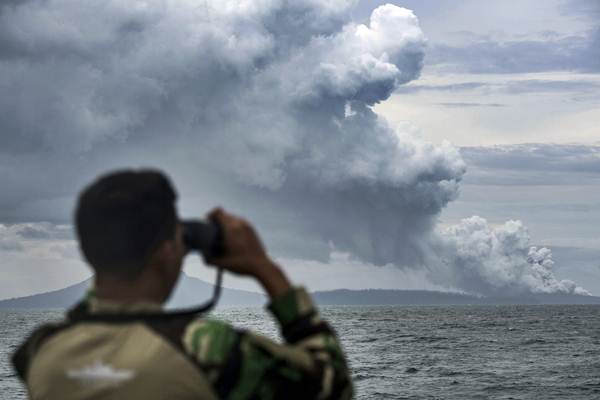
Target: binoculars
x=205 y=237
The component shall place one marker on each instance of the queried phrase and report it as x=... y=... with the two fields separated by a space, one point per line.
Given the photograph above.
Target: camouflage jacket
x=183 y=357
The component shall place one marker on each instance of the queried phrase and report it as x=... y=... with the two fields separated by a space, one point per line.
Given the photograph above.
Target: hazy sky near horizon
x=361 y=151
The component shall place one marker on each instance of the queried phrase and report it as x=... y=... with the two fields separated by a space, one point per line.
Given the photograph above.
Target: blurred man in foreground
x=117 y=343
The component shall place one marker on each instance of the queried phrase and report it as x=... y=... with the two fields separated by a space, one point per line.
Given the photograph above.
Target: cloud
x=586 y=9
x=10 y=243
x=37 y=257
x=464 y=105
x=555 y=52
x=499 y=260
x=553 y=188
x=239 y=108
x=344 y=270
x=533 y=164
x=516 y=86
x=450 y=87
x=38 y=232
x=550 y=86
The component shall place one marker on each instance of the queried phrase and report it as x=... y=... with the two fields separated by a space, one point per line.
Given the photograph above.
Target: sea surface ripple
x=426 y=352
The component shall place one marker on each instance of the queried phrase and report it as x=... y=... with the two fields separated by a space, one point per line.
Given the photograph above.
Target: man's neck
x=124 y=291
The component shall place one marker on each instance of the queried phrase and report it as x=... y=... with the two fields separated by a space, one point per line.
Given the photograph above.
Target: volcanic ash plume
x=265 y=104
x=496 y=260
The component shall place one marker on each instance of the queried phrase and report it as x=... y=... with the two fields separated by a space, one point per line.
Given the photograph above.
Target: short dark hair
x=122 y=217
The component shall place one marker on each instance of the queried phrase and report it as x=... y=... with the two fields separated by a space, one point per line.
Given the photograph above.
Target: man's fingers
x=228 y=221
x=242 y=245
x=217 y=213
x=224 y=217
x=230 y=264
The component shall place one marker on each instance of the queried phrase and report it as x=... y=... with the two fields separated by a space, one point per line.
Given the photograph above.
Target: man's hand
x=245 y=255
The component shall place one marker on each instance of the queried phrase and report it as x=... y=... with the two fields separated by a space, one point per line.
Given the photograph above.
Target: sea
x=425 y=352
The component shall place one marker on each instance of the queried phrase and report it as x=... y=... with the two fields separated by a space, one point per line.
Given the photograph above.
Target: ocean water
x=427 y=352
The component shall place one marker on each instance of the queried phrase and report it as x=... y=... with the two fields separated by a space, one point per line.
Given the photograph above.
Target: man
x=116 y=344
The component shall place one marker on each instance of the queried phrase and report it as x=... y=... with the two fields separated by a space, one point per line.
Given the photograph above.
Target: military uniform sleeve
x=244 y=365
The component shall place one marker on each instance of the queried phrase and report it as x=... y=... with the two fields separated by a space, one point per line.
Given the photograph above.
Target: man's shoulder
x=210 y=341
x=22 y=357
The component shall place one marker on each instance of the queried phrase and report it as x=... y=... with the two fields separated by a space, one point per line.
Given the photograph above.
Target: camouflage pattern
x=204 y=358
x=244 y=365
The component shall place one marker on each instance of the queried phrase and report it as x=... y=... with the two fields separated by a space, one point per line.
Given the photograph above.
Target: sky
x=411 y=145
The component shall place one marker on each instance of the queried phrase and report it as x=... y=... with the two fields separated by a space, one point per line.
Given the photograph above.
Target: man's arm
x=244 y=365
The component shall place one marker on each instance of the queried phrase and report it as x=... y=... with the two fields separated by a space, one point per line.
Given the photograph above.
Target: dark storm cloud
x=242 y=110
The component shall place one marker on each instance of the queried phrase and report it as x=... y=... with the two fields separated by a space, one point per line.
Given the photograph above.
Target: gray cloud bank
x=266 y=105
x=533 y=164
x=554 y=53
x=581 y=87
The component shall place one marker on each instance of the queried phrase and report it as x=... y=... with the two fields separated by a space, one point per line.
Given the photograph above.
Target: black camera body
x=205 y=237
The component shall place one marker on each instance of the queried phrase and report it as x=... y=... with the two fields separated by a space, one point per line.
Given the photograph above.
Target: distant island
x=191 y=291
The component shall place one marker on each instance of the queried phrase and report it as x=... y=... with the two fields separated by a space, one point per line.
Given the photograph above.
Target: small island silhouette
x=192 y=290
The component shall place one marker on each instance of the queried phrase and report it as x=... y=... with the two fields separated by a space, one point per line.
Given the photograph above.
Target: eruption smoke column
x=496 y=260
x=266 y=101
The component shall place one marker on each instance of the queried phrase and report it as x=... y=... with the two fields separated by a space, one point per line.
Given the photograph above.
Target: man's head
x=128 y=228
